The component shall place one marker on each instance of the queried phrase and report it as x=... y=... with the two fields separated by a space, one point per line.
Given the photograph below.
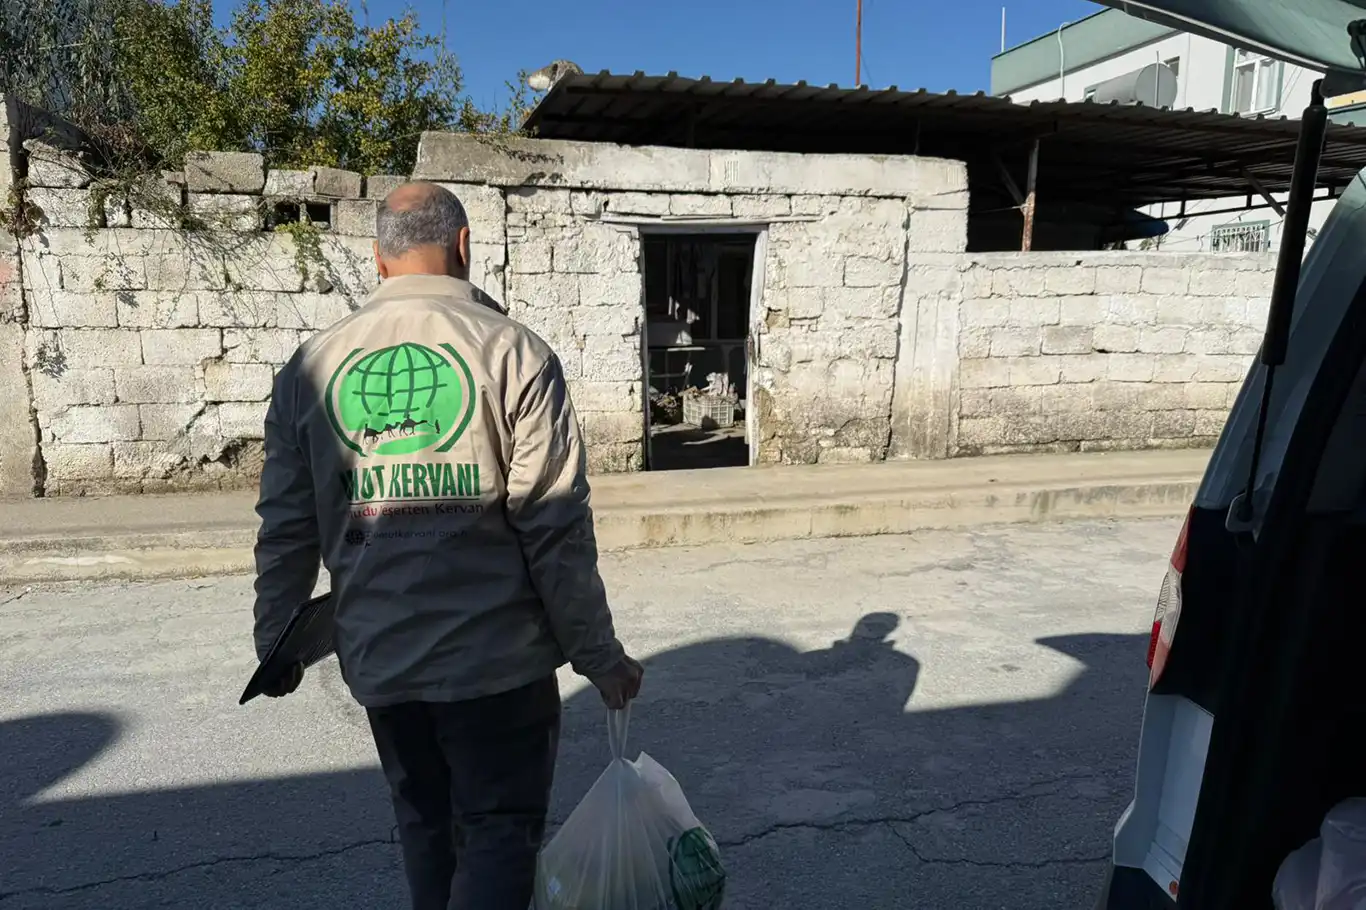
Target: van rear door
x=1283 y=748
x=1214 y=663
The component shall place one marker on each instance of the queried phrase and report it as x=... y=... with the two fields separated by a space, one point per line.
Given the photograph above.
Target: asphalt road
x=941 y=720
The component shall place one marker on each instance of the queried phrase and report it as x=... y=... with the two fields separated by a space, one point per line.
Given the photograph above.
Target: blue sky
x=935 y=44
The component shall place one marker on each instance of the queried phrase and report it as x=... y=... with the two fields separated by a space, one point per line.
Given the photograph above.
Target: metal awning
x=1316 y=34
x=1124 y=156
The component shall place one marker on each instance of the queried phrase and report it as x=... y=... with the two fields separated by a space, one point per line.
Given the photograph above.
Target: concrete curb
x=226 y=552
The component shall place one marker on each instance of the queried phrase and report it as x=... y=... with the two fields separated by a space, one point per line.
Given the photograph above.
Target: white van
x=1257 y=703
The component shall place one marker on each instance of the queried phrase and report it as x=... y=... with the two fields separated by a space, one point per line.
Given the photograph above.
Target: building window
x=1256 y=83
x=1089 y=94
x=1241 y=237
x=1174 y=64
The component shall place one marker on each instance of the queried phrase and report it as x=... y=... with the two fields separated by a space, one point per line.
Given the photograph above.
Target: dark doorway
x=697 y=310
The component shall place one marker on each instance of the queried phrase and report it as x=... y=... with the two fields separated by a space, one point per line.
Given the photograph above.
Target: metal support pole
x=858 y=44
x=1027 y=240
x=1262 y=191
x=1294 y=230
x=1008 y=180
x=1294 y=233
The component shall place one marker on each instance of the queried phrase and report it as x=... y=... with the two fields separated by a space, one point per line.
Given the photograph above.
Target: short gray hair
x=435 y=220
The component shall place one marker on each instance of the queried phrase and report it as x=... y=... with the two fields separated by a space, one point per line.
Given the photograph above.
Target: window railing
x=1241 y=238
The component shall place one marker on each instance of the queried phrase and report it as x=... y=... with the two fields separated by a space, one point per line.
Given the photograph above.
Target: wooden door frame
x=759 y=230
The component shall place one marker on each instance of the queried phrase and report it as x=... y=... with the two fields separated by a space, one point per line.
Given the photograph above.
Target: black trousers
x=471 y=784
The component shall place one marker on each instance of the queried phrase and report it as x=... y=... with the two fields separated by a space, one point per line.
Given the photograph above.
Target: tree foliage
x=56 y=55
x=301 y=81
x=168 y=64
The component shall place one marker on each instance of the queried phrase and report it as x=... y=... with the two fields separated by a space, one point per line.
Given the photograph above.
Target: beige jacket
x=426 y=449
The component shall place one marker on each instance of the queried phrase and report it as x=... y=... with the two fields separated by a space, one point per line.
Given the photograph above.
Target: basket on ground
x=710 y=412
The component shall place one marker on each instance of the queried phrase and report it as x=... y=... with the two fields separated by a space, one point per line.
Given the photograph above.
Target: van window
x=1340 y=483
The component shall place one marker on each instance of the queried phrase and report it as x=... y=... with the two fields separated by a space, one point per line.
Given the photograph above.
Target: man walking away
x=426 y=449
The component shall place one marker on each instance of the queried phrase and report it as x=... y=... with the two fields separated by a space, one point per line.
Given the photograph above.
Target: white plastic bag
x=633 y=843
x=1342 y=869
x=1329 y=872
x=1297 y=881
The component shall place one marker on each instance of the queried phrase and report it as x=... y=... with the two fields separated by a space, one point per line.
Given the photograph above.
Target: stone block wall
x=21 y=463
x=576 y=282
x=832 y=274
x=833 y=293
x=151 y=353
x=19 y=470
x=138 y=356
x=147 y=352
x=837 y=233
x=1096 y=351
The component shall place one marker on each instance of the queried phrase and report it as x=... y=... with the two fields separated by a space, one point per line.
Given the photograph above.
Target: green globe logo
x=400 y=400
x=696 y=876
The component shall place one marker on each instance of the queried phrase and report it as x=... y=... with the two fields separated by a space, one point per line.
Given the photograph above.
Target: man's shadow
x=39 y=752
x=826 y=786
x=748 y=724
x=824 y=782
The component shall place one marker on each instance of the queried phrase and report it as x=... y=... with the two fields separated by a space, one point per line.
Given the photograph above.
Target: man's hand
x=620 y=684
x=286 y=683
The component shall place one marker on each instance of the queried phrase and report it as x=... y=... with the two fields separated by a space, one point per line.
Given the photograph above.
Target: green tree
x=281 y=56
x=389 y=86
x=169 y=63
x=56 y=55
x=299 y=80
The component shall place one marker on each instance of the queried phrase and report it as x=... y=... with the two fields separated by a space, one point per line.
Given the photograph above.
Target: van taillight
x=1168 y=612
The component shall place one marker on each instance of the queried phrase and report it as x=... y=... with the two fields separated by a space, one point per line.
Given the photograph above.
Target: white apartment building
x=1111 y=55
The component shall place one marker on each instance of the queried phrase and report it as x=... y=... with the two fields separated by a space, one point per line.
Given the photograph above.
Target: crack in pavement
x=856 y=823
x=164 y=874
x=994 y=864
x=1030 y=792
x=15 y=598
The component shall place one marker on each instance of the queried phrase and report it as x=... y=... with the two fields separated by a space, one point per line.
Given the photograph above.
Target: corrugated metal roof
x=1130 y=155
